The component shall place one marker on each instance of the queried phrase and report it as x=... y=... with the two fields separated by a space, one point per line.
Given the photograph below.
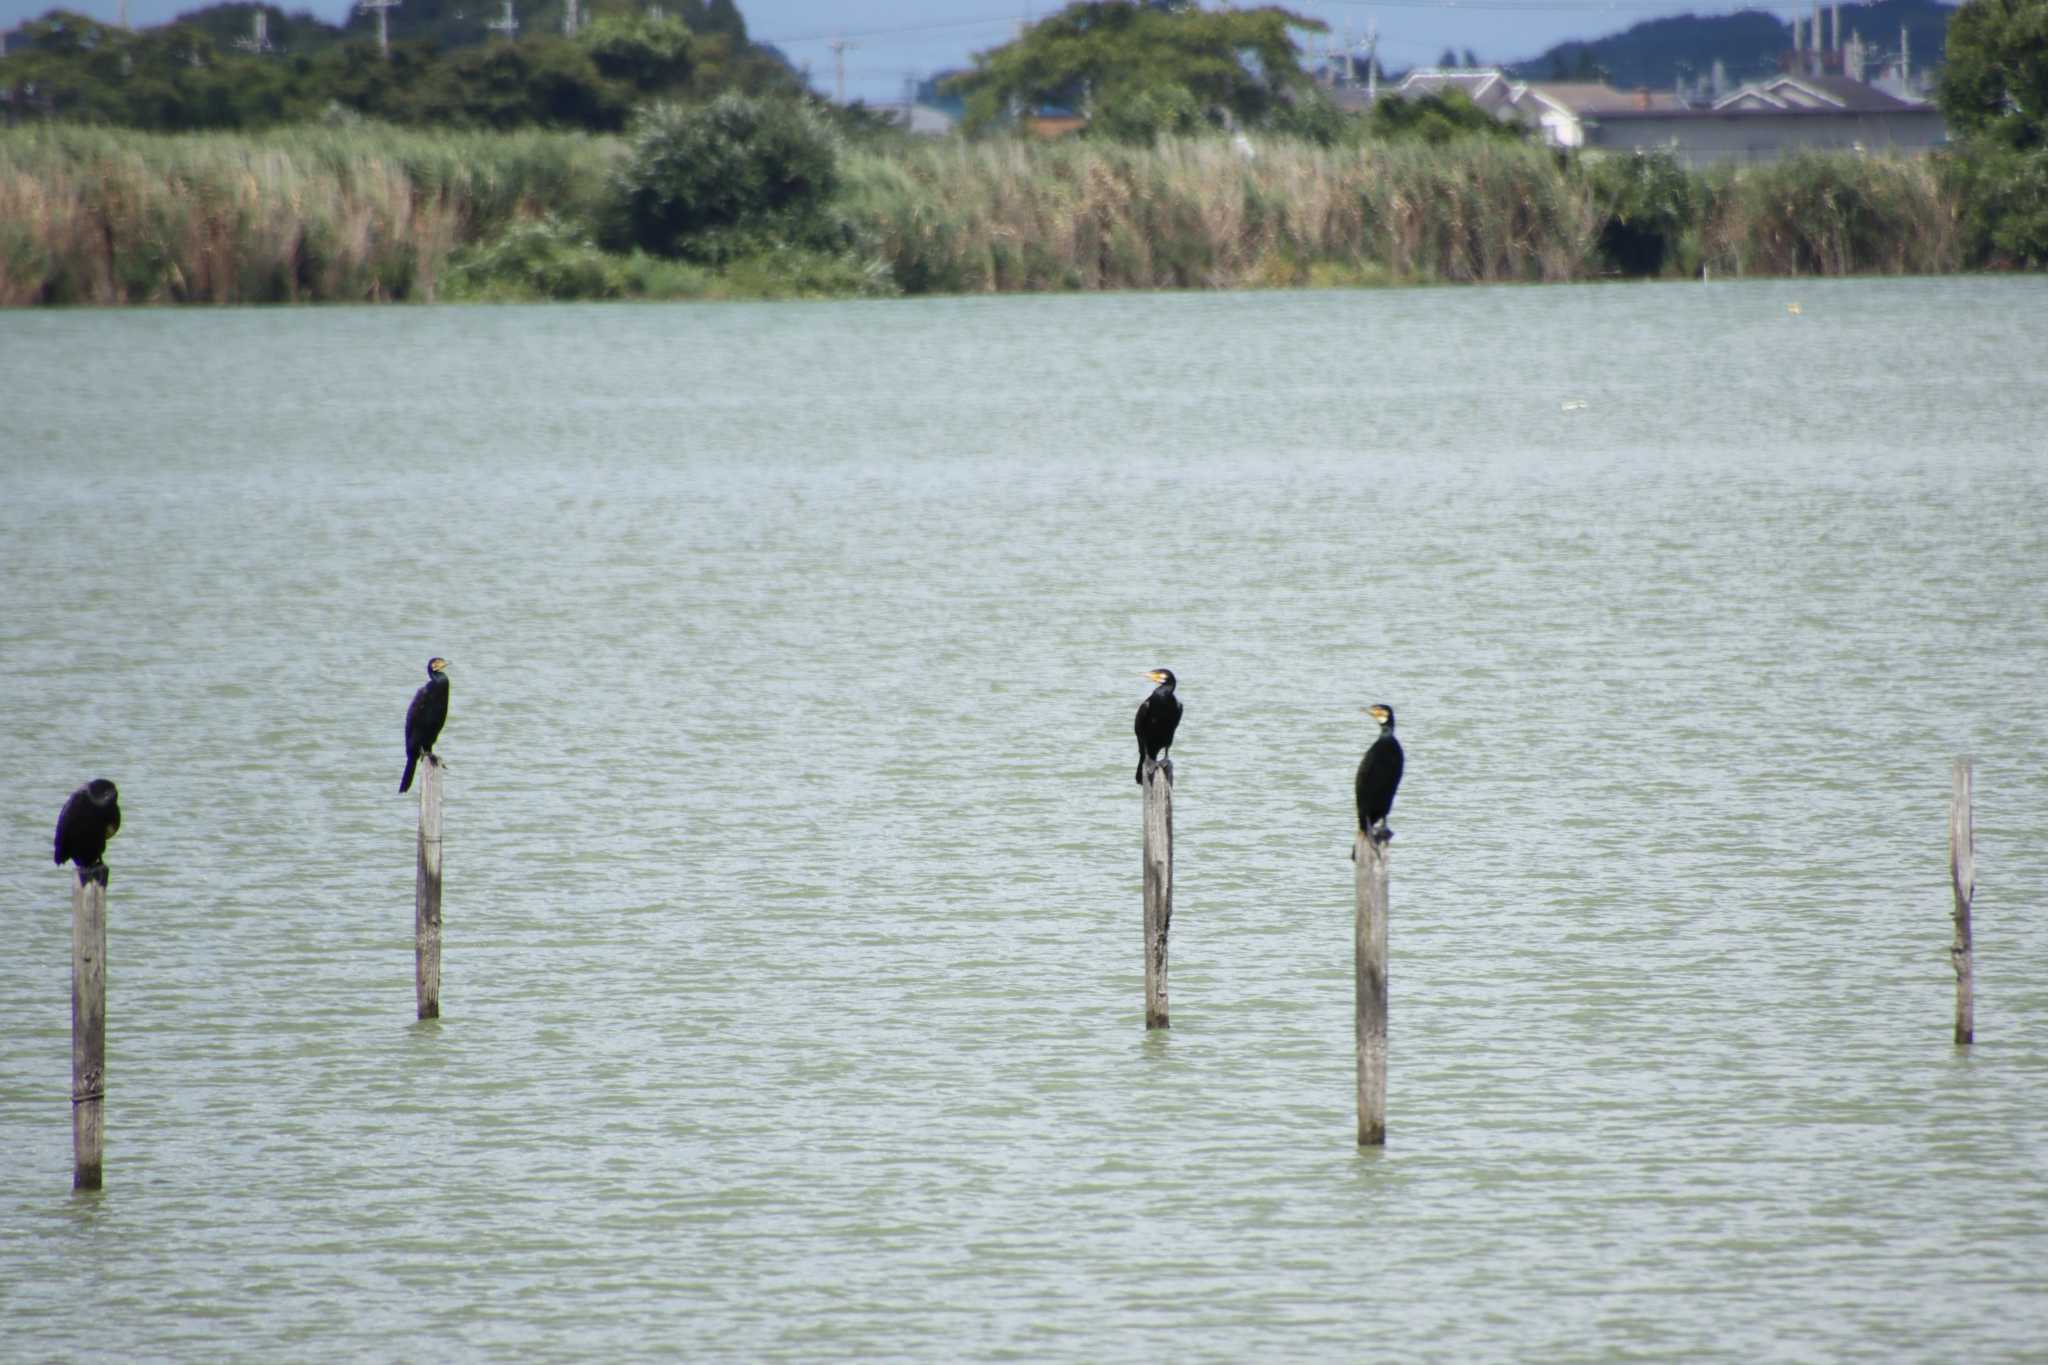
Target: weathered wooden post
x=88 y=1028
x=1369 y=960
x=1158 y=887
x=426 y=900
x=1962 y=873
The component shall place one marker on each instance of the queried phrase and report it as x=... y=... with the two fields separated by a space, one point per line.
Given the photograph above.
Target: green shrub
x=727 y=179
x=1649 y=207
x=540 y=259
x=2002 y=199
x=1140 y=117
x=794 y=273
x=1313 y=117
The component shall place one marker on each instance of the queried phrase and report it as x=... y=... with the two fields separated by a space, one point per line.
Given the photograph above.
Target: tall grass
x=374 y=213
x=1832 y=215
x=1011 y=215
x=95 y=216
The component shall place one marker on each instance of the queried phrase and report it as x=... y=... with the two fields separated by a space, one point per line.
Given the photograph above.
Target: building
x=1759 y=122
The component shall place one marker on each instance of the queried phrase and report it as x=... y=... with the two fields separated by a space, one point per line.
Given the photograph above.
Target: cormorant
x=1158 y=718
x=90 y=817
x=424 y=718
x=1379 y=774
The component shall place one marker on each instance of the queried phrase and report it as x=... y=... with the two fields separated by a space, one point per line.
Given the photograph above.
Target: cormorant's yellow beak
x=1154 y=676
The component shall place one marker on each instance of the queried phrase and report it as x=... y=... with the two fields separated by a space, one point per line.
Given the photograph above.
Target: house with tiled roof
x=1486 y=87
x=1759 y=122
x=1562 y=110
x=1766 y=120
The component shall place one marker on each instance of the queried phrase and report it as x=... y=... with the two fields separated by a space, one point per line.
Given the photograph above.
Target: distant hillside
x=1660 y=52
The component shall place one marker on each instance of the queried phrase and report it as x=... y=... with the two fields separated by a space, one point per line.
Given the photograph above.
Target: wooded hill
x=1660 y=52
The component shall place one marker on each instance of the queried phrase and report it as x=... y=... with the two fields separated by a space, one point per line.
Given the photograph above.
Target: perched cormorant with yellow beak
x=1158 y=718
x=90 y=817
x=1379 y=774
x=424 y=719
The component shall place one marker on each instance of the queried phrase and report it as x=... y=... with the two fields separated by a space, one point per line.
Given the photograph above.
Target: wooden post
x=1962 y=873
x=1369 y=961
x=88 y=1028
x=1158 y=887
x=426 y=900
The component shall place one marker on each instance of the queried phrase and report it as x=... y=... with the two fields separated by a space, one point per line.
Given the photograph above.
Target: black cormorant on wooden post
x=1158 y=718
x=424 y=719
x=90 y=817
x=1379 y=775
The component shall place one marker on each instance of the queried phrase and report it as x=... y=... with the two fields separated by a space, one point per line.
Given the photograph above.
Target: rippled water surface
x=793 y=993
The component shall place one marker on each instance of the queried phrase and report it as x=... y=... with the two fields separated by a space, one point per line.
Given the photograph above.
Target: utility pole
x=509 y=25
x=839 y=47
x=383 y=8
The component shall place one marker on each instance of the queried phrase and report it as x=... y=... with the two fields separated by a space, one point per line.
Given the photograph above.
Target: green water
x=793 y=983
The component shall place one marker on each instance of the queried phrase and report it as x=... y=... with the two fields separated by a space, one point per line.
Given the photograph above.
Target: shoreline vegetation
x=357 y=212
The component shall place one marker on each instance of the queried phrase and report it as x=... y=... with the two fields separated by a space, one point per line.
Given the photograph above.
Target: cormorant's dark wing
x=67 y=814
x=423 y=722
x=1379 y=773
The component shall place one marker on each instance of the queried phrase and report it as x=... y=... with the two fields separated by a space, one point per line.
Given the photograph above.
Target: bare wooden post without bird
x=1369 y=959
x=1158 y=887
x=1962 y=872
x=88 y=1028
x=426 y=900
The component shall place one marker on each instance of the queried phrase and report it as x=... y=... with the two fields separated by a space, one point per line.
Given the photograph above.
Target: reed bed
x=365 y=214
x=1833 y=215
x=1192 y=213
x=369 y=212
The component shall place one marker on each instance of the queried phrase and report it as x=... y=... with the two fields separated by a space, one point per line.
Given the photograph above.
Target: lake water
x=793 y=976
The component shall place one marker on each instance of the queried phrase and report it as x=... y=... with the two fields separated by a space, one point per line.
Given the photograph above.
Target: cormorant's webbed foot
x=98 y=872
x=1384 y=833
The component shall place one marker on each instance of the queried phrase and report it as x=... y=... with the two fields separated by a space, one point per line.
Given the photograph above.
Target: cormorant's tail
x=411 y=761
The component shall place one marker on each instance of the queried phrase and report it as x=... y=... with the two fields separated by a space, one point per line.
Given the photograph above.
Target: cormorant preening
x=1158 y=718
x=424 y=718
x=1379 y=774
x=90 y=817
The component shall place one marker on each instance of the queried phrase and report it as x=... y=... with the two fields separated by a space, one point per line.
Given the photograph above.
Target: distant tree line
x=192 y=75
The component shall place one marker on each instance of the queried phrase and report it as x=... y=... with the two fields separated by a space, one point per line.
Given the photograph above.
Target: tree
x=1235 y=64
x=724 y=179
x=1994 y=92
x=1436 y=118
x=1994 y=84
x=650 y=55
x=717 y=16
